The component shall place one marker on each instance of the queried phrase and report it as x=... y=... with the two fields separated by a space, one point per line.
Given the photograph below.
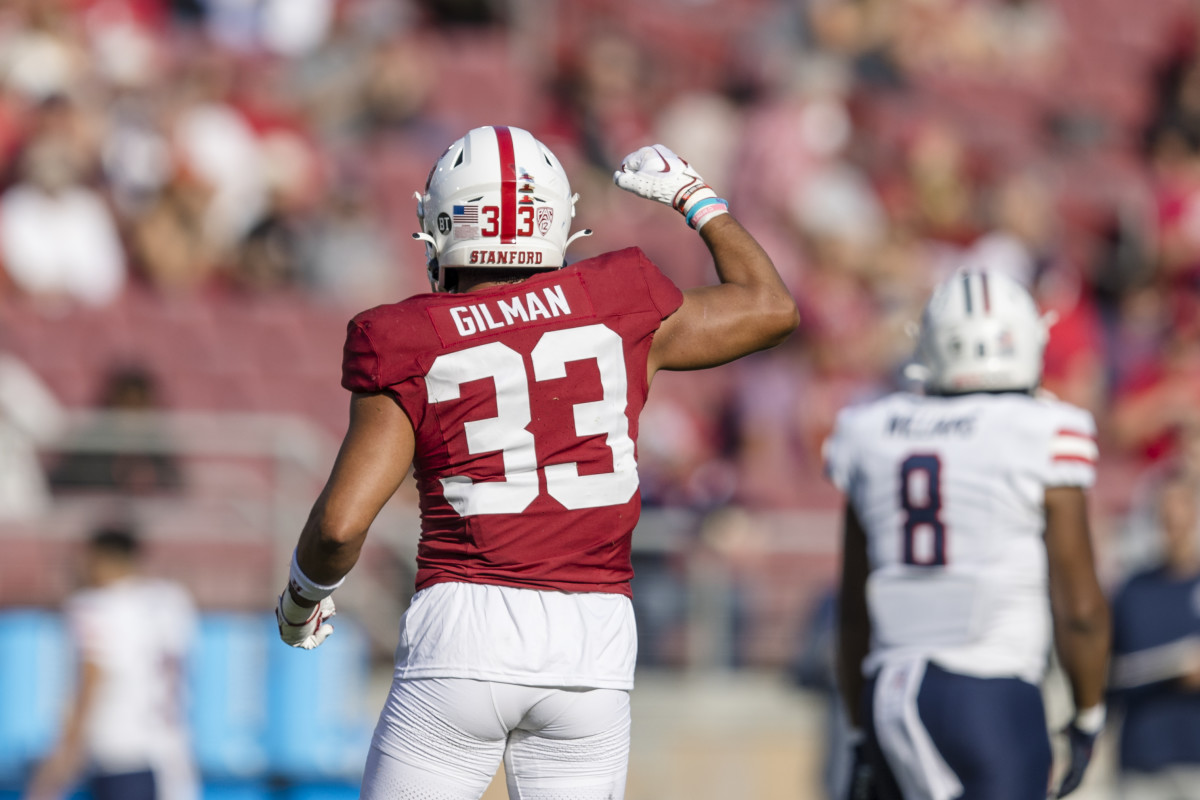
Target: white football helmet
x=981 y=332
x=496 y=198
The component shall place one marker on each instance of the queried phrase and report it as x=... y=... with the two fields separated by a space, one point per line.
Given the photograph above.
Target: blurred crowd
x=219 y=151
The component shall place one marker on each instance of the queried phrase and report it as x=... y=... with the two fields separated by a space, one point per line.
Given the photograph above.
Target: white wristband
x=305 y=587
x=295 y=614
x=1091 y=720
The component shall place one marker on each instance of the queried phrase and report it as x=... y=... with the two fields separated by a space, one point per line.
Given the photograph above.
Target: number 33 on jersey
x=524 y=400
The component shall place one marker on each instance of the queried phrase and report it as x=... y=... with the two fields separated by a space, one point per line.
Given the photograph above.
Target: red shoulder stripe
x=1080 y=459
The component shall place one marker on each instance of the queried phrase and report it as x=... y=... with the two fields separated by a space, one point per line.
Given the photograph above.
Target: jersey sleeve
x=361 y=365
x=1072 y=452
x=176 y=617
x=838 y=451
x=84 y=618
x=665 y=295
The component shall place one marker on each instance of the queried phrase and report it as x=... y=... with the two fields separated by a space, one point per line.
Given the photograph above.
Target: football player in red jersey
x=514 y=391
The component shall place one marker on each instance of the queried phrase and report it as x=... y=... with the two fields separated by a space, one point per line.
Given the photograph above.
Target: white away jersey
x=950 y=492
x=137 y=631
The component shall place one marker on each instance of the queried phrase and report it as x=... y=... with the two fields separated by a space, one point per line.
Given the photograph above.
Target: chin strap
x=431 y=259
x=576 y=235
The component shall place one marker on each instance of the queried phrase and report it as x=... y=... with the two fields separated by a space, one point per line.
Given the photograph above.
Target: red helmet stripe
x=508 y=185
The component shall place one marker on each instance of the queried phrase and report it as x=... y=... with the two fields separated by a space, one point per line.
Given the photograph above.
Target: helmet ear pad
x=497 y=198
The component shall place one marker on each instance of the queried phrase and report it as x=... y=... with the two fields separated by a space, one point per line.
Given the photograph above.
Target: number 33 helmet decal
x=496 y=198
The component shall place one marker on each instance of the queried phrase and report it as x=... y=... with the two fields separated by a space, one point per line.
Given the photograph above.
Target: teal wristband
x=703 y=204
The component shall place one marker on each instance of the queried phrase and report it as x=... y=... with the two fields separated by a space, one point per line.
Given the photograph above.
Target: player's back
x=950 y=492
x=524 y=399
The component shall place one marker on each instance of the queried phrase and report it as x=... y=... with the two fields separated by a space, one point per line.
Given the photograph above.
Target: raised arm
x=374 y=458
x=750 y=309
x=1081 y=621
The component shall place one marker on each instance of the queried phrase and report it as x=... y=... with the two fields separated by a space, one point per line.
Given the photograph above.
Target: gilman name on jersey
x=924 y=428
x=550 y=302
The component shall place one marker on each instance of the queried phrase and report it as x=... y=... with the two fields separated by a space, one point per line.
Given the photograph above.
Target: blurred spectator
x=604 y=100
x=267 y=258
x=217 y=146
x=940 y=184
x=130 y=456
x=1074 y=361
x=135 y=154
x=861 y=31
x=396 y=86
x=348 y=259
x=58 y=239
x=30 y=417
x=169 y=239
x=125 y=730
x=284 y=27
x=269 y=255
x=1021 y=242
x=1156 y=656
x=1160 y=400
x=42 y=56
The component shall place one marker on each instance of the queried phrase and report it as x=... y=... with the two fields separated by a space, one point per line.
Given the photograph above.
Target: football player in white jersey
x=125 y=730
x=966 y=552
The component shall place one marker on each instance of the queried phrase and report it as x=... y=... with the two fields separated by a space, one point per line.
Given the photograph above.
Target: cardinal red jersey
x=524 y=400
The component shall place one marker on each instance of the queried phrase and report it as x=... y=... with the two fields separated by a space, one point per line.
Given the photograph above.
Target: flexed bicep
x=749 y=310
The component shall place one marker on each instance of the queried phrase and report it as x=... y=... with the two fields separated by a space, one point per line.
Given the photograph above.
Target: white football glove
x=658 y=174
x=314 y=627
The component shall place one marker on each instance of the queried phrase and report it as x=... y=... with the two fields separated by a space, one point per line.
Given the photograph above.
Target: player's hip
x=939 y=734
x=523 y=636
x=446 y=737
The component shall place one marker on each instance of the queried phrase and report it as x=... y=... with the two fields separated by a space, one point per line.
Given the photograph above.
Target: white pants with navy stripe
x=919 y=769
x=444 y=739
x=938 y=735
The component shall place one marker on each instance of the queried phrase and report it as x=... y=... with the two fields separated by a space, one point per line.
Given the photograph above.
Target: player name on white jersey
x=924 y=428
x=501 y=313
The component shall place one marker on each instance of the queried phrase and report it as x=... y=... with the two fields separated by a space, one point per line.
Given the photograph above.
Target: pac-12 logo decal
x=444 y=223
x=545 y=216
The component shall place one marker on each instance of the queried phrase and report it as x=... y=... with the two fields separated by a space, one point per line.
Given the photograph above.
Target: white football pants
x=443 y=739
